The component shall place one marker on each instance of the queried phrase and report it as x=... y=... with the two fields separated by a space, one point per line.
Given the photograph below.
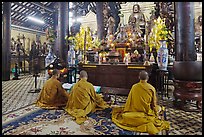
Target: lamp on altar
x=126 y=58
x=104 y=59
x=112 y=44
x=128 y=44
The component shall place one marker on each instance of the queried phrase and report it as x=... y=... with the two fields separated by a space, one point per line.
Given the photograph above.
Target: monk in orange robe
x=83 y=99
x=141 y=112
x=53 y=95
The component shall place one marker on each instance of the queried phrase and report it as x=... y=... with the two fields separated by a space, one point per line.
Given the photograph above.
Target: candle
x=100 y=58
x=104 y=59
x=201 y=43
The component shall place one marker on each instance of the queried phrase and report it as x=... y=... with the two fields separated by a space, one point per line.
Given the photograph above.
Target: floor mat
x=32 y=120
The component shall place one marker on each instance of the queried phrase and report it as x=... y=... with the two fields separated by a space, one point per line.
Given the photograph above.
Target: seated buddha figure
x=137 y=19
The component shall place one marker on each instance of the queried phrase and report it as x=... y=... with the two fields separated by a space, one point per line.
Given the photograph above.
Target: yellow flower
x=158 y=32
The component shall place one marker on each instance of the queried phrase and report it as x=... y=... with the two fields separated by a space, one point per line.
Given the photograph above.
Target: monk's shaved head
x=143 y=75
x=55 y=72
x=83 y=74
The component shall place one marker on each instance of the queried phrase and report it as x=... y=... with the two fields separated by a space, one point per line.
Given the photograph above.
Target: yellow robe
x=137 y=114
x=83 y=100
x=52 y=95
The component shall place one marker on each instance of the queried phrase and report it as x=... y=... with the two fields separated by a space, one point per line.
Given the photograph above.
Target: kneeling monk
x=140 y=113
x=83 y=99
x=53 y=95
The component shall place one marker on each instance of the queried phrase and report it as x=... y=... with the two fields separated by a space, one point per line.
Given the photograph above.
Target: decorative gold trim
x=131 y=67
x=89 y=66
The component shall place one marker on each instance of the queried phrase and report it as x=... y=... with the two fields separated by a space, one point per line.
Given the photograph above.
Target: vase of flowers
x=162 y=55
x=158 y=32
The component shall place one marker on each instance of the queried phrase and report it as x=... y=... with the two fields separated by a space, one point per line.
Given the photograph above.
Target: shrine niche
x=89 y=20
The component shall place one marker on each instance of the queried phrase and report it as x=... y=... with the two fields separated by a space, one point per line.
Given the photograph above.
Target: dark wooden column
x=6 y=54
x=62 y=28
x=55 y=27
x=184 y=20
x=100 y=20
x=186 y=70
x=67 y=28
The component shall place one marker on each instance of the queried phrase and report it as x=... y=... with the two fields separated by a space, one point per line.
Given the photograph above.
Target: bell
x=106 y=97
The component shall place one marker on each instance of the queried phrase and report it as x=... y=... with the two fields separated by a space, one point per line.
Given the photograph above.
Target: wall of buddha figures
x=127 y=8
x=29 y=37
x=28 y=34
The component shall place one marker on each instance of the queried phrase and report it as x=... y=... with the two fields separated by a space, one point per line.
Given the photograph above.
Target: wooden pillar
x=67 y=16
x=62 y=25
x=100 y=20
x=6 y=44
x=184 y=36
x=186 y=70
x=55 y=27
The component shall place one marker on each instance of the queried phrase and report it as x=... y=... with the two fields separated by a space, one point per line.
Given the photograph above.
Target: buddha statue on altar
x=122 y=35
x=111 y=25
x=137 y=19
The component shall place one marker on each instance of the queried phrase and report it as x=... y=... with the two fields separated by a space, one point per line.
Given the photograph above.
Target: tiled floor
x=15 y=92
x=15 y=95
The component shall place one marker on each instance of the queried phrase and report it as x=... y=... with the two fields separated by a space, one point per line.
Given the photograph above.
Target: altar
x=116 y=76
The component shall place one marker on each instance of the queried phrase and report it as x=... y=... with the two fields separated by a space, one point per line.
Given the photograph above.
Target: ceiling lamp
x=36 y=20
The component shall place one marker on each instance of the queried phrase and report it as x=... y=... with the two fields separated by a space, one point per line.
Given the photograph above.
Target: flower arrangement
x=158 y=32
x=96 y=42
x=79 y=39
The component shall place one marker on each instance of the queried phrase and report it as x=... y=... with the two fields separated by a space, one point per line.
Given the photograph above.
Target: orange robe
x=83 y=100
x=52 y=95
x=138 y=114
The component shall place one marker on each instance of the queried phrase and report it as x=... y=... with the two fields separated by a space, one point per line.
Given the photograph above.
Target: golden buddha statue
x=137 y=19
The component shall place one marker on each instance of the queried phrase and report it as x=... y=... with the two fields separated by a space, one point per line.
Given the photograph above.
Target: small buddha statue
x=198 y=26
x=122 y=35
x=121 y=26
x=111 y=25
x=137 y=19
